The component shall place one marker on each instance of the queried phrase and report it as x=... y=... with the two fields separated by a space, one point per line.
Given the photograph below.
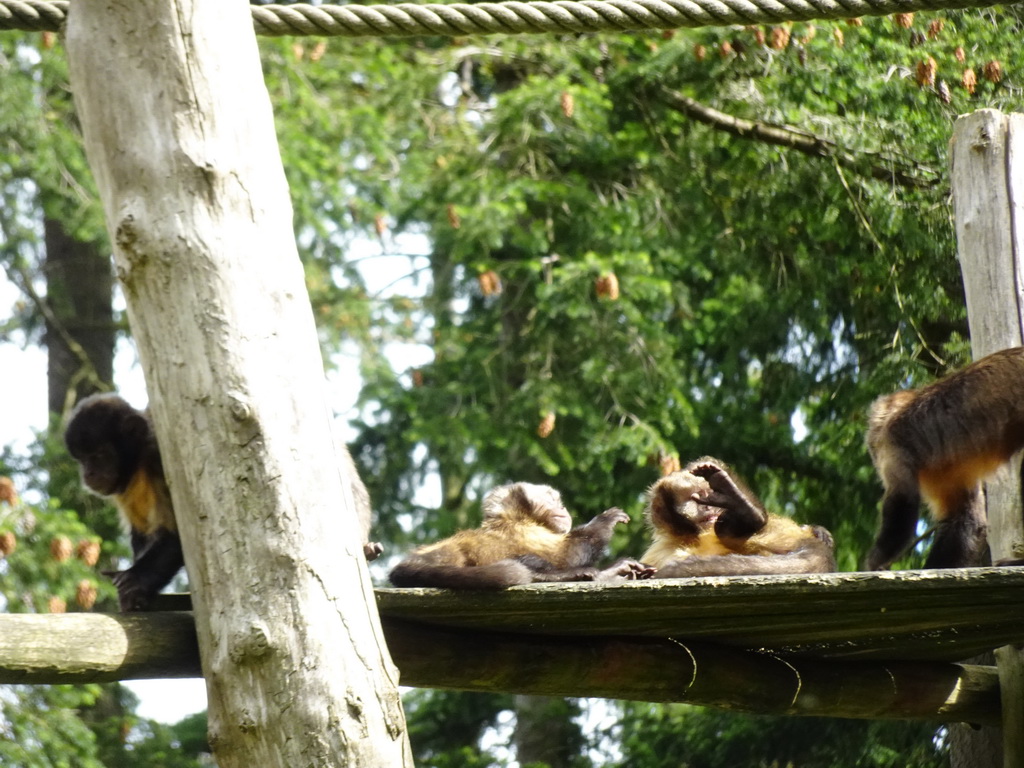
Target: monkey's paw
x=131 y=595
x=613 y=516
x=876 y=561
x=705 y=468
x=372 y=550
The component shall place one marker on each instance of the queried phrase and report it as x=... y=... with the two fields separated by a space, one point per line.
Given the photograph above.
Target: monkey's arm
x=622 y=570
x=742 y=513
x=153 y=569
x=586 y=544
x=815 y=557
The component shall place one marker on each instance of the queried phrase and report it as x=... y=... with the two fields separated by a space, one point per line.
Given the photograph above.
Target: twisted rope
x=407 y=19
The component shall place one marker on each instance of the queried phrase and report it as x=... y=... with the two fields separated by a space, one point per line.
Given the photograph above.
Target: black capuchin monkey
x=116 y=449
x=525 y=538
x=119 y=459
x=705 y=522
x=940 y=441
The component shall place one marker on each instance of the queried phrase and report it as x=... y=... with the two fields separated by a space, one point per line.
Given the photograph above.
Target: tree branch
x=875 y=166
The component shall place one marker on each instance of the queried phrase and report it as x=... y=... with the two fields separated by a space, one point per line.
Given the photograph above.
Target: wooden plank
x=941 y=615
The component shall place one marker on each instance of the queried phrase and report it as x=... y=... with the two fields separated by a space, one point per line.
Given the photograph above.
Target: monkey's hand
x=625 y=570
x=372 y=550
x=724 y=491
x=132 y=595
x=610 y=518
x=877 y=561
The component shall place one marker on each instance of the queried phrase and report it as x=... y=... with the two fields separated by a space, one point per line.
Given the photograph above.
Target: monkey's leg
x=960 y=536
x=899 y=521
x=151 y=571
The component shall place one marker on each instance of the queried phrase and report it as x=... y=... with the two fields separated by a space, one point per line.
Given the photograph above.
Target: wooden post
x=180 y=136
x=987 y=153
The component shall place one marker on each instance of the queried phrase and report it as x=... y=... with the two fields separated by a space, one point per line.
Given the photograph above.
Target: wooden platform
x=861 y=645
x=946 y=615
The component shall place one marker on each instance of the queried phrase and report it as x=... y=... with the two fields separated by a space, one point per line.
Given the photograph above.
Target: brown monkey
x=940 y=441
x=707 y=523
x=525 y=537
x=119 y=458
x=116 y=449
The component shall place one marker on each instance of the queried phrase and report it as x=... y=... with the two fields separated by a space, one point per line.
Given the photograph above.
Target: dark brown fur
x=940 y=441
x=525 y=538
x=116 y=449
x=706 y=522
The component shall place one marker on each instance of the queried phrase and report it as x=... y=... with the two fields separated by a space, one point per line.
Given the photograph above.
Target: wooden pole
x=987 y=153
x=179 y=133
x=81 y=647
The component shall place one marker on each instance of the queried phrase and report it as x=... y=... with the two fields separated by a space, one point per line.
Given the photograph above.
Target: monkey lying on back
x=119 y=458
x=941 y=441
x=707 y=523
x=525 y=538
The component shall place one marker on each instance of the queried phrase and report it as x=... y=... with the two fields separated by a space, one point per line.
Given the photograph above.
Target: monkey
x=706 y=522
x=940 y=441
x=525 y=538
x=119 y=458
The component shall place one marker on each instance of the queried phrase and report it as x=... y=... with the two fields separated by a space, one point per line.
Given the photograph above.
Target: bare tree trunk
x=988 y=193
x=79 y=290
x=180 y=135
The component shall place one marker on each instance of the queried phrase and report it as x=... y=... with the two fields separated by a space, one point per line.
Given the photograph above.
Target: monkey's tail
x=505 y=573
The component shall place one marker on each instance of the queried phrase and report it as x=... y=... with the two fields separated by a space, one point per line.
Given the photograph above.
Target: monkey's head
x=674 y=505
x=522 y=501
x=107 y=437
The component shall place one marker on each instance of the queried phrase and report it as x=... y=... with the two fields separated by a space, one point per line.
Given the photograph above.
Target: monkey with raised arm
x=526 y=537
x=940 y=441
x=706 y=522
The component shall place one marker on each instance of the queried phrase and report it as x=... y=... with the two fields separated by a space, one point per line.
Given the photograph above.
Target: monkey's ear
x=135 y=427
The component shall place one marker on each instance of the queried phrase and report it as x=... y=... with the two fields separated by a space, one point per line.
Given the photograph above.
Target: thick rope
x=406 y=19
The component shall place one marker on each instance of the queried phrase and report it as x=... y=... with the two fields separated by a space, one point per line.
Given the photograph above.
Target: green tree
x=770 y=284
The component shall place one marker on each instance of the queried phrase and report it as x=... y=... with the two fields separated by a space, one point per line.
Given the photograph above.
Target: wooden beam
x=83 y=647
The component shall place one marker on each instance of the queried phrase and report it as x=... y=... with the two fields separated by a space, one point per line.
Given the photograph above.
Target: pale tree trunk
x=180 y=135
x=988 y=194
